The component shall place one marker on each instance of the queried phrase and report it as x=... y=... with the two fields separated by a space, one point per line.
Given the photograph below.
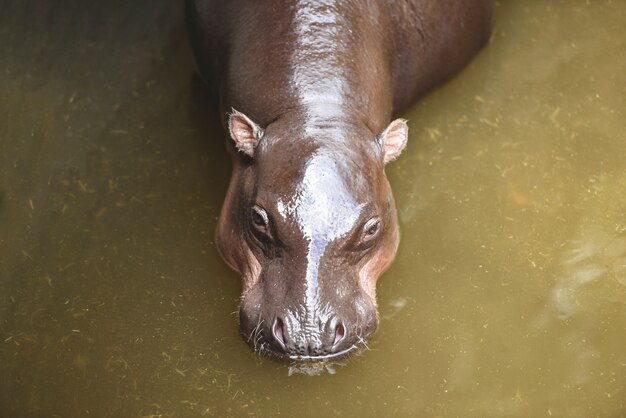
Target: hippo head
x=309 y=222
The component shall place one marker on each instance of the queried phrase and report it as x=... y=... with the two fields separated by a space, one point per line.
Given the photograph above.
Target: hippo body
x=310 y=88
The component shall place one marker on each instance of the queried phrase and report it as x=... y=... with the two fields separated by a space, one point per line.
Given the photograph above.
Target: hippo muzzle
x=303 y=307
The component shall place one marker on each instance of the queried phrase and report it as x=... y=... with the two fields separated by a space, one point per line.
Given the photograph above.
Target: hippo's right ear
x=244 y=132
x=393 y=139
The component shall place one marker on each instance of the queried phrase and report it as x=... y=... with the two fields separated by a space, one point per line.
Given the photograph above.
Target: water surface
x=508 y=295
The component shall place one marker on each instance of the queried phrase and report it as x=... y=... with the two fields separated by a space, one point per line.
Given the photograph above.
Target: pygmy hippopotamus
x=310 y=87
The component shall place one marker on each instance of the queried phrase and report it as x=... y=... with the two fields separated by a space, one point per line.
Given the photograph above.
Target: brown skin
x=309 y=219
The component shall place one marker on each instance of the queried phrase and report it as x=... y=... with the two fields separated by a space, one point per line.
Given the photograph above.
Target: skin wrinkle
x=252 y=273
x=375 y=266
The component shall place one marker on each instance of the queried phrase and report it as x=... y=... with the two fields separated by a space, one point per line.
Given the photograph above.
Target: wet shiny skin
x=312 y=87
x=507 y=295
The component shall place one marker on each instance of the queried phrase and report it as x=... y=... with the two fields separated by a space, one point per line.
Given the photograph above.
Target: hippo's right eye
x=371 y=229
x=260 y=220
x=369 y=233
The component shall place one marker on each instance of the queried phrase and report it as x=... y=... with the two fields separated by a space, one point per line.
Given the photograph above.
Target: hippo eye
x=371 y=229
x=260 y=221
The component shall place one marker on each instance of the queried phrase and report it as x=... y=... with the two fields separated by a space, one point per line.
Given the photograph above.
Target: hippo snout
x=297 y=335
x=302 y=342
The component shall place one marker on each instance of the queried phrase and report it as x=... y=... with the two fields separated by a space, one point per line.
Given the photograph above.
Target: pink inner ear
x=244 y=132
x=394 y=139
x=241 y=130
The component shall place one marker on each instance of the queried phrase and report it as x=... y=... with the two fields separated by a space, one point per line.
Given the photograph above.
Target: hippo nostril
x=340 y=332
x=278 y=332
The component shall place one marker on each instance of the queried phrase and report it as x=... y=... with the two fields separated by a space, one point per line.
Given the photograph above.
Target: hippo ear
x=393 y=139
x=244 y=132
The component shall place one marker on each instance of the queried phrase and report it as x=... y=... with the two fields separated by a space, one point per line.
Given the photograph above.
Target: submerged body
x=309 y=219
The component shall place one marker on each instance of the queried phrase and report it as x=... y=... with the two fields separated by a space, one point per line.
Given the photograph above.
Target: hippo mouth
x=316 y=365
x=268 y=350
x=324 y=357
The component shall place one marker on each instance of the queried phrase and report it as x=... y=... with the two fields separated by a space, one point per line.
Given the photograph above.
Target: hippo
x=307 y=91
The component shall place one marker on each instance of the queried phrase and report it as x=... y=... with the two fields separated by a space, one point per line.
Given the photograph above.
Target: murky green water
x=508 y=296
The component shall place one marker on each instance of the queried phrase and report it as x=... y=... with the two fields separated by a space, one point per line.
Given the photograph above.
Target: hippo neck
x=317 y=59
x=331 y=63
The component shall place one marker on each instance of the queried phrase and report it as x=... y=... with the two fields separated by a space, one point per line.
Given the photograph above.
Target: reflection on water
x=594 y=262
x=508 y=296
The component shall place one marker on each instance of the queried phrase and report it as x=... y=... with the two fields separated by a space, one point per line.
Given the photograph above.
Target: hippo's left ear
x=244 y=132
x=393 y=139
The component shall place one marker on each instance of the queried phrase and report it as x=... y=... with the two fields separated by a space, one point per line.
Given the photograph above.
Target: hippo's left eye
x=371 y=229
x=260 y=220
